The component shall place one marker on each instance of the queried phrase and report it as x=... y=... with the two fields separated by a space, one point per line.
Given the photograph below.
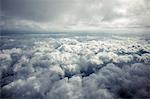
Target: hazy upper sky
x=74 y=14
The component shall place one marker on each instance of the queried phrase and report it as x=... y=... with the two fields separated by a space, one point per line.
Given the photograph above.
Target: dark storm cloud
x=38 y=10
x=74 y=14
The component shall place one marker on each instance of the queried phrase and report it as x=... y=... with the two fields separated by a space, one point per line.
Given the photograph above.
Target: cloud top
x=68 y=68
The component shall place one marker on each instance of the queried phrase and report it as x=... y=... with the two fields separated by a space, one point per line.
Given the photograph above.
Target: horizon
x=74 y=49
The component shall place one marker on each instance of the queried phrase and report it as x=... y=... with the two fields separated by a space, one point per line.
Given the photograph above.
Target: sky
x=47 y=15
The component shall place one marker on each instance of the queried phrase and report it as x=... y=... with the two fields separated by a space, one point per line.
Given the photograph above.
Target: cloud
x=75 y=14
x=34 y=10
x=67 y=89
x=71 y=68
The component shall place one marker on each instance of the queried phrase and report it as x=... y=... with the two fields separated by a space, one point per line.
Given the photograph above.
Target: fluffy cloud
x=71 y=68
x=67 y=89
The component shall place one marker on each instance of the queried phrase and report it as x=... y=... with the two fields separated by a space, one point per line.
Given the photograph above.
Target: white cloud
x=67 y=89
x=71 y=68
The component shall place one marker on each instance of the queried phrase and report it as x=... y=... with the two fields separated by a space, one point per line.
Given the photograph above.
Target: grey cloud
x=50 y=14
x=35 y=10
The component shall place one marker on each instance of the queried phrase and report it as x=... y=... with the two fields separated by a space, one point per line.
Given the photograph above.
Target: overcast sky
x=49 y=15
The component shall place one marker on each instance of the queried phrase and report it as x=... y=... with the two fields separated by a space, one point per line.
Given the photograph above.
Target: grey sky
x=74 y=14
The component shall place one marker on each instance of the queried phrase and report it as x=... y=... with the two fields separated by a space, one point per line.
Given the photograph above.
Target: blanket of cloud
x=50 y=15
x=77 y=67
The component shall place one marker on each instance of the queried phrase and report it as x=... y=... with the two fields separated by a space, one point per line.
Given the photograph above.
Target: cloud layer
x=74 y=14
x=73 y=68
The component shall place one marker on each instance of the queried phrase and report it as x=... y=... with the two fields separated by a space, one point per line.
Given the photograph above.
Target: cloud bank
x=74 y=14
x=68 y=68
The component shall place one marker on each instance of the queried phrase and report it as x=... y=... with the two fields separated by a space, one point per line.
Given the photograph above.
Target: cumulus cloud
x=67 y=89
x=71 y=68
